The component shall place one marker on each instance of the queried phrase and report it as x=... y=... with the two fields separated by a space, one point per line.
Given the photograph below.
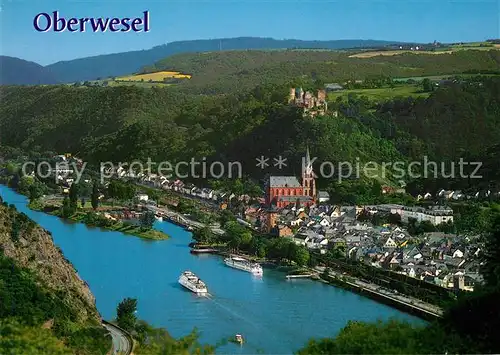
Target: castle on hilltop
x=311 y=105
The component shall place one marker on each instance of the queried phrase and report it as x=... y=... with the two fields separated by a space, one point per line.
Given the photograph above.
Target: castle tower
x=308 y=182
x=291 y=97
x=321 y=95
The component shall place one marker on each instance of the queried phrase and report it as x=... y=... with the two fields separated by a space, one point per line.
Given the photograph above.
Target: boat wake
x=232 y=312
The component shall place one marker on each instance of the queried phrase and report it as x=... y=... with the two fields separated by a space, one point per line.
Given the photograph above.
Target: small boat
x=238 y=338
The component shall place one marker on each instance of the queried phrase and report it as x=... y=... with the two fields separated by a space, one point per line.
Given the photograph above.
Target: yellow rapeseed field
x=158 y=76
x=391 y=53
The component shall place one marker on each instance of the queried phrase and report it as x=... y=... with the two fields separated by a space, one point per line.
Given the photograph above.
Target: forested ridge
x=116 y=64
x=225 y=72
x=123 y=124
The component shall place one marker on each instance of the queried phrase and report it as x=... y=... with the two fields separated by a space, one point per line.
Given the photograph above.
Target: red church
x=282 y=191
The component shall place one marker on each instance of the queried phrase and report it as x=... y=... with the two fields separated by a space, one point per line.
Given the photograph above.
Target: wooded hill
x=231 y=71
x=126 y=123
x=125 y=63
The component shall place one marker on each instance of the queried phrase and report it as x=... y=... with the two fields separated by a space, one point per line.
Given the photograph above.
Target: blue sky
x=173 y=20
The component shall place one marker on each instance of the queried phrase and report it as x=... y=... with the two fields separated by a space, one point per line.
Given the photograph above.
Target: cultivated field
x=453 y=48
x=158 y=76
x=382 y=93
x=391 y=53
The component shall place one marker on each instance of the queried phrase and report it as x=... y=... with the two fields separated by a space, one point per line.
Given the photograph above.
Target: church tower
x=272 y=219
x=308 y=182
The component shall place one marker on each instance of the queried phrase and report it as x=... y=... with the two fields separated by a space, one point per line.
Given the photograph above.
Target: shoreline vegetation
x=91 y=219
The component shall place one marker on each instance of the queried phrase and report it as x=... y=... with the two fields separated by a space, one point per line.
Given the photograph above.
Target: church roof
x=284 y=181
x=294 y=198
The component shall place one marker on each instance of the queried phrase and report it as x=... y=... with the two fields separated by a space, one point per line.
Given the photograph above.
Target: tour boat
x=244 y=264
x=192 y=283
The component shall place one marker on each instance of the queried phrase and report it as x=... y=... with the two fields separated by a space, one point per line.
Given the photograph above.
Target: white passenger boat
x=193 y=283
x=244 y=264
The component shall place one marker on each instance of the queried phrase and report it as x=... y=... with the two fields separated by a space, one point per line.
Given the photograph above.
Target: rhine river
x=275 y=316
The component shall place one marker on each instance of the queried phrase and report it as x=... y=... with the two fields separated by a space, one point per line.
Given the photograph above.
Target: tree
x=17 y=338
x=427 y=85
x=67 y=209
x=394 y=218
x=95 y=196
x=11 y=168
x=82 y=201
x=491 y=256
x=300 y=255
x=25 y=183
x=14 y=181
x=147 y=220
x=204 y=235
x=36 y=190
x=125 y=313
x=226 y=216
x=393 y=337
x=73 y=195
x=84 y=189
x=159 y=341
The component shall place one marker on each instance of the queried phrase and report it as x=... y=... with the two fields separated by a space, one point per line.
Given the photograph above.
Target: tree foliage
x=125 y=314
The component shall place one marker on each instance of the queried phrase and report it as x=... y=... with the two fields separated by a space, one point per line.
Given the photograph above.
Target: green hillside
x=122 y=124
x=225 y=72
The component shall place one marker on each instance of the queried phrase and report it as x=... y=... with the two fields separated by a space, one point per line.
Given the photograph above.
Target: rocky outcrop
x=33 y=248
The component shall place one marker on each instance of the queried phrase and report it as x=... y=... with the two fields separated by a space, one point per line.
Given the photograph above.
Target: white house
x=435 y=215
x=296 y=222
x=323 y=196
x=316 y=242
x=207 y=193
x=324 y=222
x=142 y=197
x=335 y=212
x=390 y=243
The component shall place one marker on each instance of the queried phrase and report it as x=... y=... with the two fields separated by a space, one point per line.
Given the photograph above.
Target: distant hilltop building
x=312 y=105
x=333 y=87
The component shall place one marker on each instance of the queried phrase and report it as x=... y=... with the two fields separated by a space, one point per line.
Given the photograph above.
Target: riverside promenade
x=399 y=300
x=180 y=219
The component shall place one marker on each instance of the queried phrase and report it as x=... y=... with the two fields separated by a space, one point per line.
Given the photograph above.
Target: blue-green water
x=273 y=315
